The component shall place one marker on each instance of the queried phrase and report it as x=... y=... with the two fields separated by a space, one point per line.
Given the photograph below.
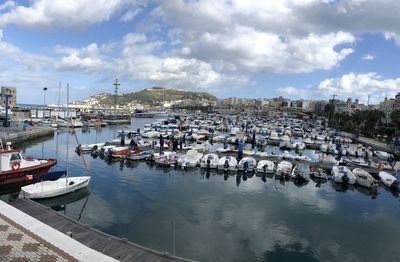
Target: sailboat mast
x=59 y=91
x=68 y=123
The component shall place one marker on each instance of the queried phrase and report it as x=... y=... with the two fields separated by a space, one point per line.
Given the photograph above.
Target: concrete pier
x=19 y=135
x=25 y=238
x=93 y=244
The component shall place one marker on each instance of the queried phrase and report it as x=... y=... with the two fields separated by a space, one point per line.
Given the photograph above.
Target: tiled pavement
x=17 y=244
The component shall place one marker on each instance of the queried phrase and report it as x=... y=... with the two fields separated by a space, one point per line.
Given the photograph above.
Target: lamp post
x=44 y=101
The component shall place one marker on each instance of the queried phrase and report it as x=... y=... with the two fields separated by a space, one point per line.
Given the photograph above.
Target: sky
x=309 y=49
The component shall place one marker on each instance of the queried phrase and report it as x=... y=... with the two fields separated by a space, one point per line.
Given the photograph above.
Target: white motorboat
x=265 y=166
x=47 y=189
x=299 y=146
x=363 y=178
x=209 y=161
x=190 y=159
x=284 y=168
x=169 y=159
x=319 y=173
x=301 y=173
x=389 y=180
x=247 y=164
x=285 y=145
x=382 y=155
x=151 y=134
x=341 y=174
x=356 y=162
x=227 y=163
x=144 y=155
x=89 y=147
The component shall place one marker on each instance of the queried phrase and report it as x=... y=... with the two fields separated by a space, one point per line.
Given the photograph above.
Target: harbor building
x=12 y=101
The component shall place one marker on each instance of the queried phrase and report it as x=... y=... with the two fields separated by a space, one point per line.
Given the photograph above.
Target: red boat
x=14 y=168
x=118 y=152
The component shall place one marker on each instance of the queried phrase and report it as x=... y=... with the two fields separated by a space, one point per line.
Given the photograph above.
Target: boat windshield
x=15 y=157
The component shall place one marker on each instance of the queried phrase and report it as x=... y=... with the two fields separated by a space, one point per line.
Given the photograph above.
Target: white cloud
x=55 y=13
x=360 y=86
x=7 y=5
x=368 y=57
x=129 y=15
x=87 y=59
x=224 y=31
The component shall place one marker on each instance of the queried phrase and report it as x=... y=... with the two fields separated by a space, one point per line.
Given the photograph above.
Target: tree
x=395 y=117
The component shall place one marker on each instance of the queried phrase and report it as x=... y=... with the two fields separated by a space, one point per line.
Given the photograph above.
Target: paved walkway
x=23 y=238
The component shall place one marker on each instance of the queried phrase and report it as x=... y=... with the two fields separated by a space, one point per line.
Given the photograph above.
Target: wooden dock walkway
x=111 y=246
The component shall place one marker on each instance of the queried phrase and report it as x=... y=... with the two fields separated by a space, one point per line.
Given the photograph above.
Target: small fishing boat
x=118 y=152
x=301 y=173
x=190 y=159
x=247 y=164
x=356 y=162
x=14 y=168
x=227 y=163
x=209 y=161
x=284 y=168
x=341 y=174
x=89 y=147
x=365 y=179
x=167 y=160
x=265 y=166
x=144 y=155
x=319 y=173
x=299 y=146
x=389 y=180
x=382 y=155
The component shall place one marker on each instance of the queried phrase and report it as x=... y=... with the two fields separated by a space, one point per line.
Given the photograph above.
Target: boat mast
x=59 y=91
x=68 y=123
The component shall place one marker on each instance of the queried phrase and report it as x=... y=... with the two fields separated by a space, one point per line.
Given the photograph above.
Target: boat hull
x=49 y=189
x=20 y=175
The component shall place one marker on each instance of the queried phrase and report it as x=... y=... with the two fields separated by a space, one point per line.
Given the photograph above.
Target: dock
x=111 y=247
x=19 y=134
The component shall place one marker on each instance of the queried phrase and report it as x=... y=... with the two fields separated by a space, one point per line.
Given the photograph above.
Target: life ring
x=15 y=166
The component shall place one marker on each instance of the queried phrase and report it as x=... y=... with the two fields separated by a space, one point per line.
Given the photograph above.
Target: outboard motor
x=226 y=164
x=345 y=179
x=245 y=166
x=208 y=162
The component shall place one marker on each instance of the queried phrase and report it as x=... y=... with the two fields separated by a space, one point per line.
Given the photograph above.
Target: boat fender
x=15 y=166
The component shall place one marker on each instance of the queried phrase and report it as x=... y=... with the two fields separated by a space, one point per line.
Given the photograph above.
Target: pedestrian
x=123 y=138
x=240 y=149
x=161 y=144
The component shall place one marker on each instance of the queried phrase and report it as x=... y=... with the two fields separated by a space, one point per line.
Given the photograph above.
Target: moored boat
x=14 y=168
x=341 y=174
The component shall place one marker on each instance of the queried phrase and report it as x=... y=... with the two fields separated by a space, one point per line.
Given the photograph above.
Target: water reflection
x=227 y=216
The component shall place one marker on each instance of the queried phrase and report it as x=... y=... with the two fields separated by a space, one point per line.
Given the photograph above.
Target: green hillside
x=151 y=96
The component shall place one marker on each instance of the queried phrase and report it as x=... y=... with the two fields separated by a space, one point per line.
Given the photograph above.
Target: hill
x=151 y=96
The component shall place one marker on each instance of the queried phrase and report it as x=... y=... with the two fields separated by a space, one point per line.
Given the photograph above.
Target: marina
x=135 y=196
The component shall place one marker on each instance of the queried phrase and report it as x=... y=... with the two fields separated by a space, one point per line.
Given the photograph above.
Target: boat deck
x=111 y=246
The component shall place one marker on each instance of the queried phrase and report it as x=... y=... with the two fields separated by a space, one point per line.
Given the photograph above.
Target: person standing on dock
x=123 y=138
x=161 y=144
x=240 y=149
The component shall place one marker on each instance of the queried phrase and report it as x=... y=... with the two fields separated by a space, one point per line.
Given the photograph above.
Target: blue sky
x=255 y=49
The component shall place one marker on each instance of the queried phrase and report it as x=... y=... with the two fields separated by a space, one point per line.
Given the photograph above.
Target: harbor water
x=214 y=217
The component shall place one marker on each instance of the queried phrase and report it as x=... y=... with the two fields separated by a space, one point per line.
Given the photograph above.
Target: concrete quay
x=19 y=134
x=70 y=239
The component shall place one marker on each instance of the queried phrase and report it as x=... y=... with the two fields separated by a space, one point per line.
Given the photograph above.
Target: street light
x=44 y=101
